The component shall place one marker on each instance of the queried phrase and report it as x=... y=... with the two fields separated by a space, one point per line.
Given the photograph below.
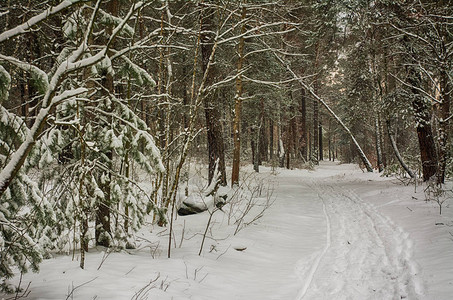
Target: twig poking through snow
x=79 y=286
x=143 y=292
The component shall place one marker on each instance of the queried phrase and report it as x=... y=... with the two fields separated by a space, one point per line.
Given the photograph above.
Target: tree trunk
x=288 y=143
x=444 y=117
x=238 y=108
x=397 y=153
x=211 y=109
x=329 y=146
x=271 y=138
x=315 y=139
x=380 y=163
x=303 y=141
x=334 y=148
x=102 y=228
x=262 y=135
x=236 y=140
x=422 y=114
x=315 y=152
x=281 y=147
x=257 y=160
x=321 y=153
x=253 y=144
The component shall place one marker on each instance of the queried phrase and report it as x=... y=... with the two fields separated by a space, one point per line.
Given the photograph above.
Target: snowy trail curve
x=366 y=255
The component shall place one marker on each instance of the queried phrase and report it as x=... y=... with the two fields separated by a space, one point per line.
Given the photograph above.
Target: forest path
x=366 y=256
x=327 y=236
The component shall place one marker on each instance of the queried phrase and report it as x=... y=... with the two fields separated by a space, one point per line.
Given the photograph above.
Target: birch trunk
x=238 y=108
x=379 y=145
x=444 y=118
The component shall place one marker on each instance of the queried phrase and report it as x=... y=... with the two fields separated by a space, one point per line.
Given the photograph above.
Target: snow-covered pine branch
x=52 y=98
x=38 y=76
x=142 y=76
x=18 y=157
x=26 y=26
x=5 y=84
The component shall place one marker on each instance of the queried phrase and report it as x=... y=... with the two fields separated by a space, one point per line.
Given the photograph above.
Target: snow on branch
x=24 y=27
x=274 y=50
x=5 y=81
x=224 y=81
x=448 y=119
x=150 y=144
x=68 y=94
x=140 y=45
x=139 y=73
x=432 y=98
x=39 y=77
x=120 y=26
x=257 y=31
x=109 y=19
x=72 y=64
x=276 y=84
x=17 y=158
x=416 y=36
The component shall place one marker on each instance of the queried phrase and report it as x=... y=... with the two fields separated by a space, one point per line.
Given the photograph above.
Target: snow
x=106 y=64
x=109 y=19
x=24 y=27
x=5 y=81
x=141 y=74
x=17 y=157
x=332 y=233
x=39 y=76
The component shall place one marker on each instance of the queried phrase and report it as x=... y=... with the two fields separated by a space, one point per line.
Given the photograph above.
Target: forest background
x=94 y=93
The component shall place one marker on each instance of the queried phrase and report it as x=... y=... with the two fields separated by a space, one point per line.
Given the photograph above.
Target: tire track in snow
x=366 y=255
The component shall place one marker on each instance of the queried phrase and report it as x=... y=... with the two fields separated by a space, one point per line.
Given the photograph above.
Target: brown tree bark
x=288 y=139
x=257 y=156
x=378 y=139
x=211 y=109
x=321 y=153
x=264 y=144
x=422 y=113
x=303 y=139
x=262 y=136
x=102 y=228
x=315 y=151
x=315 y=140
x=271 y=138
x=281 y=137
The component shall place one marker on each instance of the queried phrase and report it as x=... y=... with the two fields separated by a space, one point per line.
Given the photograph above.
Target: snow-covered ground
x=332 y=233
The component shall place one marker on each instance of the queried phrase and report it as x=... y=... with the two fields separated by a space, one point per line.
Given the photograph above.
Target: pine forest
x=176 y=134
